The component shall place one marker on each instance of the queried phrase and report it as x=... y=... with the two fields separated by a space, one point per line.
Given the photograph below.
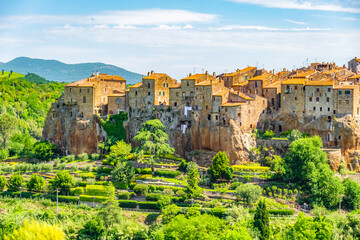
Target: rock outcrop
x=69 y=132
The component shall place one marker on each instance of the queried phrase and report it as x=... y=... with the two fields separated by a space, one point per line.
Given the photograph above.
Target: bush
x=15 y=182
x=70 y=158
x=36 y=183
x=89 y=198
x=74 y=168
x=76 y=191
x=141 y=189
x=83 y=156
x=268 y=134
x=153 y=196
x=148 y=205
x=3 y=182
x=62 y=166
x=278 y=212
x=249 y=193
x=163 y=201
x=128 y=203
x=124 y=195
x=143 y=171
x=95 y=156
x=166 y=173
x=86 y=168
x=57 y=162
x=66 y=199
x=4 y=154
x=99 y=190
x=218 y=212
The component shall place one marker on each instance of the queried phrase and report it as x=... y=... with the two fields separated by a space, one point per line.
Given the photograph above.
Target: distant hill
x=61 y=72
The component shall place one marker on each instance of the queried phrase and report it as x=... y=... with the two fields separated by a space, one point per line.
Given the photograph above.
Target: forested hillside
x=24 y=103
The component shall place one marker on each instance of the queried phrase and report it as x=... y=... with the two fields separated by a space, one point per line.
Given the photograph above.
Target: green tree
x=169 y=212
x=8 y=125
x=193 y=178
x=4 y=154
x=3 y=182
x=163 y=201
x=268 y=134
x=306 y=164
x=351 y=194
x=294 y=135
x=15 y=182
x=123 y=173
x=44 y=151
x=93 y=229
x=119 y=152
x=152 y=140
x=262 y=220
x=36 y=183
x=63 y=181
x=220 y=167
x=248 y=193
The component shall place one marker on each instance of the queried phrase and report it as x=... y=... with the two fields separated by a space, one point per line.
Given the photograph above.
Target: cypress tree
x=262 y=221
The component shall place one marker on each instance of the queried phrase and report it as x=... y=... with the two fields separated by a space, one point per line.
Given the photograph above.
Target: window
x=191 y=94
x=206 y=107
x=167 y=85
x=339 y=92
x=135 y=93
x=317 y=99
x=227 y=79
x=225 y=109
x=329 y=89
x=71 y=100
x=320 y=109
x=339 y=137
x=263 y=102
x=149 y=93
x=88 y=90
x=256 y=85
x=175 y=104
x=118 y=101
x=163 y=84
x=166 y=78
x=203 y=97
x=209 y=117
x=183 y=94
x=105 y=90
x=266 y=90
x=327 y=99
x=314 y=108
x=318 y=90
x=295 y=87
x=70 y=89
x=84 y=100
x=310 y=99
x=329 y=110
x=187 y=83
x=249 y=111
x=238 y=114
x=347 y=102
x=148 y=85
x=159 y=93
x=295 y=98
x=216 y=117
x=163 y=93
x=80 y=90
x=245 y=78
x=347 y=92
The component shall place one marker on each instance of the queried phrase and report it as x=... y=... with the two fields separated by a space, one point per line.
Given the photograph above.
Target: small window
x=84 y=99
x=295 y=87
x=187 y=83
x=167 y=85
x=249 y=111
x=159 y=93
x=80 y=90
x=339 y=137
x=320 y=109
x=216 y=117
x=88 y=90
x=256 y=84
x=175 y=104
x=191 y=94
x=135 y=93
x=203 y=97
x=70 y=89
x=163 y=84
x=314 y=108
x=339 y=92
x=118 y=101
x=329 y=89
x=149 y=93
x=163 y=93
x=246 y=78
x=105 y=89
x=318 y=90
x=329 y=110
x=206 y=107
x=317 y=99
x=238 y=114
x=347 y=102
x=209 y=117
x=310 y=99
x=148 y=85
x=327 y=99
x=183 y=94
x=295 y=98
x=347 y=92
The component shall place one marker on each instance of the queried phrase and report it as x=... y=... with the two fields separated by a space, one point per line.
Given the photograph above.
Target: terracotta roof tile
x=221 y=92
x=155 y=76
x=207 y=82
x=260 y=77
x=137 y=85
x=232 y=104
x=294 y=81
x=328 y=82
x=273 y=85
x=177 y=85
x=194 y=77
x=241 y=84
x=93 y=80
x=355 y=76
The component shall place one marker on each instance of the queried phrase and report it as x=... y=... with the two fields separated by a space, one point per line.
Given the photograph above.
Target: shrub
x=128 y=203
x=153 y=196
x=168 y=192
x=99 y=190
x=57 y=162
x=180 y=193
x=3 y=182
x=36 y=183
x=279 y=212
x=90 y=198
x=90 y=181
x=124 y=195
x=268 y=134
x=4 y=154
x=63 y=181
x=141 y=189
x=76 y=191
x=169 y=212
x=15 y=182
x=62 y=166
x=218 y=212
x=74 y=168
x=95 y=156
x=167 y=173
x=249 y=193
x=148 y=205
x=70 y=158
x=163 y=201
x=143 y=171
x=86 y=168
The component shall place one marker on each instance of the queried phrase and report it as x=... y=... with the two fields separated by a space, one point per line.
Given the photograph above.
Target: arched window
x=317 y=99
x=118 y=101
x=84 y=99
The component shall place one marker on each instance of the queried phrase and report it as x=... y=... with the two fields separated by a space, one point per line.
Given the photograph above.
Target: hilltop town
x=213 y=112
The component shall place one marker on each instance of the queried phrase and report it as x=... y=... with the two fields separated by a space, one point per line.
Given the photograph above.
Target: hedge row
x=127 y=203
x=89 y=198
x=162 y=188
x=148 y=205
x=278 y=212
x=153 y=196
x=99 y=190
x=124 y=195
x=61 y=198
x=243 y=168
x=166 y=173
x=143 y=170
x=66 y=199
x=106 y=170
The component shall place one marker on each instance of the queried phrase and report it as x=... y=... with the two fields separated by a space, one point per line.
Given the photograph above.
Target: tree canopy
x=220 y=167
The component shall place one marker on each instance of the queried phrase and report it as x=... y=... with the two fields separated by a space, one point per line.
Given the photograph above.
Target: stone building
x=354 y=65
x=292 y=96
x=117 y=103
x=256 y=84
x=240 y=76
x=346 y=100
x=318 y=99
x=91 y=94
x=272 y=92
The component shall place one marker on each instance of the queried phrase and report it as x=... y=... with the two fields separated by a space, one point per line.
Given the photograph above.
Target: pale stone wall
x=318 y=101
x=293 y=102
x=117 y=104
x=83 y=97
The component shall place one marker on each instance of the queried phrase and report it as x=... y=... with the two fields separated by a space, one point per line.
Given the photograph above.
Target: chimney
x=148 y=73
x=284 y=69
x=214 y=74
x=189 y=74
x=206 y=72
x=97 y=73
x=152 y=72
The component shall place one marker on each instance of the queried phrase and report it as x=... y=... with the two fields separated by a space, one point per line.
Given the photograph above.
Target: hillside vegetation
x=27 y=99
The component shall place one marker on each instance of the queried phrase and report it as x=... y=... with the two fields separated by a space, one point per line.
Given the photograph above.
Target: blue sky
x=178 y=37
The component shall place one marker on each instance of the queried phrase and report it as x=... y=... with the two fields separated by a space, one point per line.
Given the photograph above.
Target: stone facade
x=354 y=65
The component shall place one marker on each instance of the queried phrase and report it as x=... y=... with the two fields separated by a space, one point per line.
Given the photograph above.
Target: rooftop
x=177 y=85
x=294 y=81
x=344 y=87
x=260 y=77
x=241 y=84
x=327 y=82
x=194 y=77
x=303 y=74
x=273 y=85
x=355 y=76
x=207 y=82
x=239 y=71
x=232 y=104
x=155 y=76
x=221 y=92
x=334 y=70
x=137 y=85
x=243 y=95
x=94 y=79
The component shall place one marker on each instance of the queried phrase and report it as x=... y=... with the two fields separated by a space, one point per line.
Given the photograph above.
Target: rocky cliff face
x=70 y=133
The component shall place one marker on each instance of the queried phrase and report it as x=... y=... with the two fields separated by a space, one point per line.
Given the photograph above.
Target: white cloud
x=173 y=27
x=122 y=26
x=119 y=18
x=295 y=22
x=264 y=28
x=299 y=4
x=102 y=26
